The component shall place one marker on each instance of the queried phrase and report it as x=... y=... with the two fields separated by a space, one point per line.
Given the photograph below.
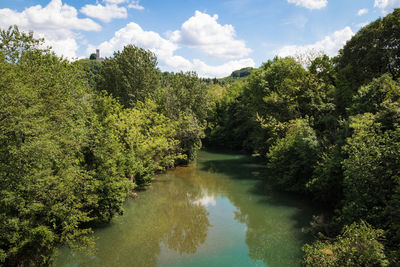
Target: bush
x=292 y=158
x=358 y=245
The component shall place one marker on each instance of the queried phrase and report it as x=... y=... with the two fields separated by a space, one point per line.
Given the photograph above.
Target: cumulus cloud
x=66 y=46
x=310 y=4
x=54 y=16
x=111 y=9
x=329 y=45
x=165 y=50
x=55 y=22
x=105 y=13
x=362 y=12
x=202 y=32
x=387 y=6
x=219 y=71
x=132 y=33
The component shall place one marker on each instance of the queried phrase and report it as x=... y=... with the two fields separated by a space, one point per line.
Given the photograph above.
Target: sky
x=211 y=37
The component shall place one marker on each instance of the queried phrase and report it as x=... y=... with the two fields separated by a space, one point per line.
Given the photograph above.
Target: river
x=215 y=212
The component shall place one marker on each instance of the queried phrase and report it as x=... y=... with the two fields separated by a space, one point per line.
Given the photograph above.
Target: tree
x=373 y=51
x=149 y=140
x=227 y=124
x=358 y=245
x=184 y=98
x=44 y=190
x=130 y=76
x=326 y=184
x=183 y=93
x=91 y=69
x=273 y=89
x=374 y=96
x=59 y=172
x=371 y=175
x=104 y=158
x=292 y=159
x=14 y=43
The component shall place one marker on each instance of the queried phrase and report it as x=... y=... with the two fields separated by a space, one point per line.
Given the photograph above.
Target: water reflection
x=187 y=223
x=216 y=212
x=273 y=220
x=206 y=200
x=165 y=215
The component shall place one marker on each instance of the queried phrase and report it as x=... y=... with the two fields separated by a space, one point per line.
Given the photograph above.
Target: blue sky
x=210 y=37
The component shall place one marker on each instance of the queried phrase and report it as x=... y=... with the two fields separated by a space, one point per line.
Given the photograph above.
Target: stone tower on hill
x=98 y=58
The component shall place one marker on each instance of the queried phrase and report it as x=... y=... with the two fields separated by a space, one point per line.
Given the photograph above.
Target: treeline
x=77 y=138
x=330 y=129
x=235 y=76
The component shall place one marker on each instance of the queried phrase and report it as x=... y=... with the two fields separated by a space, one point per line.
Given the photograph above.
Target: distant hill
x=235 y=76
x=244 y=72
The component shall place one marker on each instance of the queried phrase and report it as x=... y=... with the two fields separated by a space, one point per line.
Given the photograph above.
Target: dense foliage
x=292 y=158
x=358 y=245
x=329 y=129
x=76 y=138
x=130 y=76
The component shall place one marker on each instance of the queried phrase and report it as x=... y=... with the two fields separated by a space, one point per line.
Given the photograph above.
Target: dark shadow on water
x=258 y=236
x=249 y=168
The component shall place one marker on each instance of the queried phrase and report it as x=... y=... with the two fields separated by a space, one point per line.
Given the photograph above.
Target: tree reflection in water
x=272 y=219
x=169 y=224
x=167 y=214
x=188 y=222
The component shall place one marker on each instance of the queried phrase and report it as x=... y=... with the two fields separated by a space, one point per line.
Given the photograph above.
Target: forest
x=78 y=138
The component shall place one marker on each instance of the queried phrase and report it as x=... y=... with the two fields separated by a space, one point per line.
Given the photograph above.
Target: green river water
x=215 y=212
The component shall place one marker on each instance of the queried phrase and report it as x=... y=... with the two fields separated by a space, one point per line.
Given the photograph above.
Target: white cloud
x=105 y=13
x=204 y=33
x=55 y=16
x=111 y=9
x=131 y=3
x=362 y=12
x=310 y=4
x=132 y=33
x=135 y=5
x=115 y=2
x=387 y=6
x=330 y=44
x=219 y=71
x=66 y=46
x=165 y=49
x=55 y=22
